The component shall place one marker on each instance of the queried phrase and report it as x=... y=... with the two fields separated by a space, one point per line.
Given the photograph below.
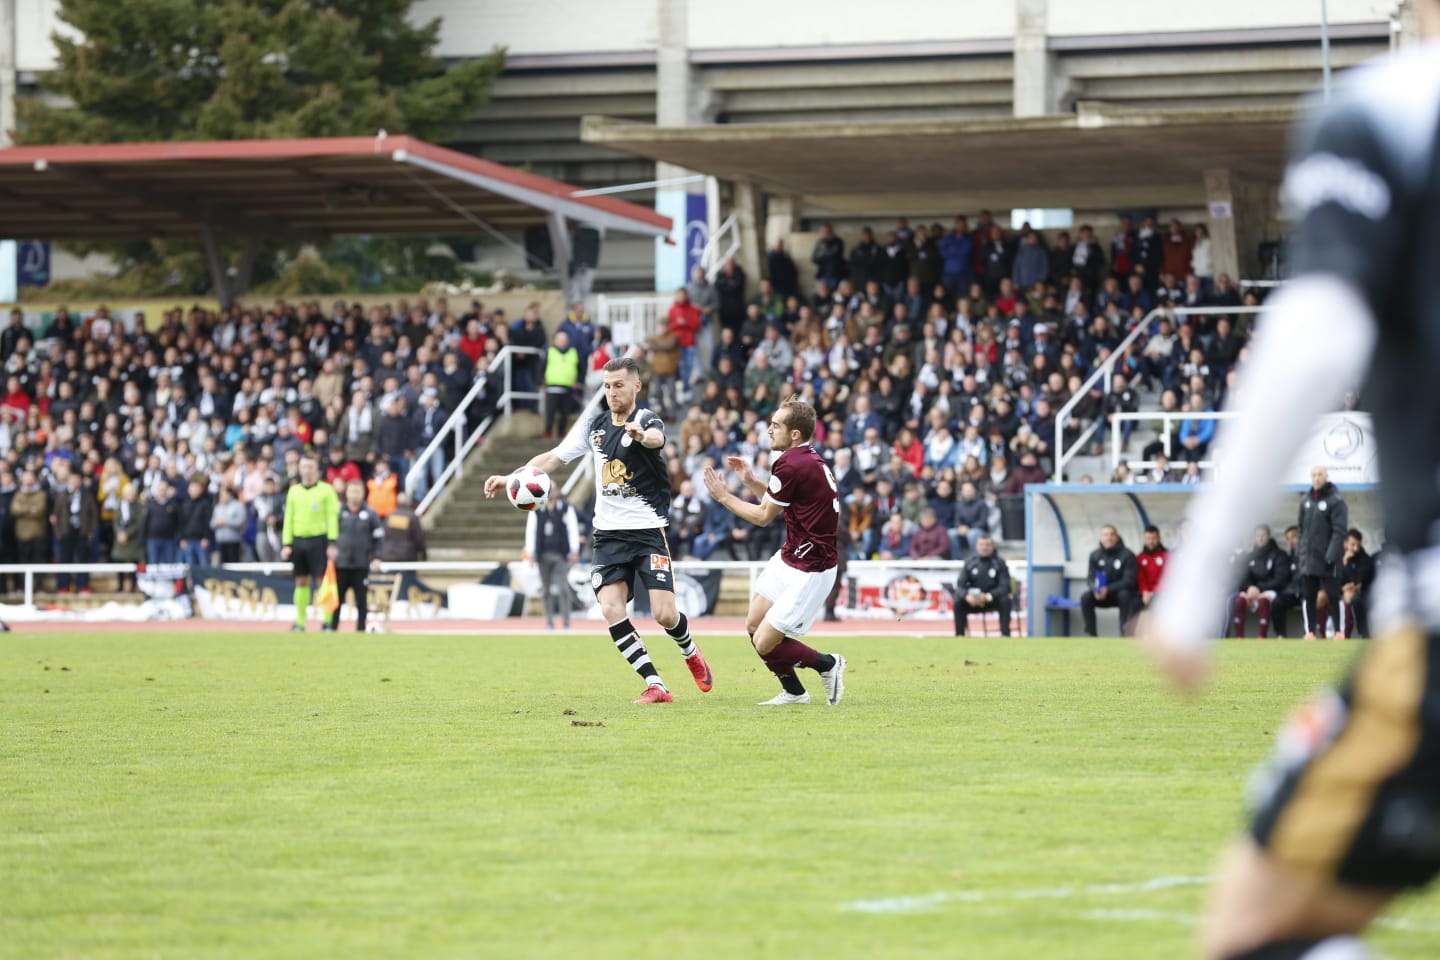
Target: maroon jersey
x=801 y=482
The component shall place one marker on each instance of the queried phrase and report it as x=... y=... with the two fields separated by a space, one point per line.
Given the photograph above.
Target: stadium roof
x=1121 y=151
x=300 y=189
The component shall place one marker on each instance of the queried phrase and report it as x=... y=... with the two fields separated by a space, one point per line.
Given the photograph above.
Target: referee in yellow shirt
x=312 y=525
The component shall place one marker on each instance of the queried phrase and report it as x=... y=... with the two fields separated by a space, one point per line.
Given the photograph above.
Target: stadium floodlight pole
x=1325 y=47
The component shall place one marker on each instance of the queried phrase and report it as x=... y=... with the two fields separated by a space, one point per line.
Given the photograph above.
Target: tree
x=148 y=70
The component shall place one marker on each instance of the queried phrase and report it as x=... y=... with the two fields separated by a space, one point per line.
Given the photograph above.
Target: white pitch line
x=929 y=901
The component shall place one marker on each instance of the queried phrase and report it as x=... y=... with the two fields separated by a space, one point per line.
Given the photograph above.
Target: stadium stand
x=937 y=360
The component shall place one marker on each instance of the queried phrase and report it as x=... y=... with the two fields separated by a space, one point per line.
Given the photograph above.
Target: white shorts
x=796 y=596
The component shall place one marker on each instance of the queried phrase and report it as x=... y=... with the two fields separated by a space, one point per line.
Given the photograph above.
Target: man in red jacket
x=1151 y=564
x=685 y=324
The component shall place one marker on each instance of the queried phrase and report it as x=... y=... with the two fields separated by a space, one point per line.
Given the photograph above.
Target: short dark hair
x=799 y=415
x=1153 y=529
x=624 y=363
x=1355 y=532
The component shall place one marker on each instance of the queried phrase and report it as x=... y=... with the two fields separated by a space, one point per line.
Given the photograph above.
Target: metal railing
x=710 y=256
x=1106 y=370
x=632 y=318
x=454 y=429
x=1166 y=417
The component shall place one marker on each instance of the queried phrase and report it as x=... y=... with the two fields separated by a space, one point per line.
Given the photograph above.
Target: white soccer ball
x=528 y=488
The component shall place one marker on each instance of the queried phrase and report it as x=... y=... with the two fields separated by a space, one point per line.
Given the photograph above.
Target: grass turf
x=216 y=795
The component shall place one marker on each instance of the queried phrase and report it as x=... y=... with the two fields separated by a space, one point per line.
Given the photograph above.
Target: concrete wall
x=540 y=28
x=757 y=23
x=558 y=27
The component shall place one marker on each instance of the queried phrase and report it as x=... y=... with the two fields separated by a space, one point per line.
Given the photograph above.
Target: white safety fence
x=632 y=318
x=1103 y=374
x=917 y=590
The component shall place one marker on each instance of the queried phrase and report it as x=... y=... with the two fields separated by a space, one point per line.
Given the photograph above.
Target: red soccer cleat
x=700 y=670
x=655 y=694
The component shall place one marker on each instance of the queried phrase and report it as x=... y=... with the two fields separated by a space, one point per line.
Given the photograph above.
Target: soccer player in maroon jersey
x=792 y=589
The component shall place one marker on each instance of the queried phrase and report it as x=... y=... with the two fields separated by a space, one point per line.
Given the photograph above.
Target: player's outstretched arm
x=761 y=514
x=548 y=462
x=1314 y=344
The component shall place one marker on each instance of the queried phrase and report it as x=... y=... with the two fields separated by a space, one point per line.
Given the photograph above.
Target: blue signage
x=32 y=264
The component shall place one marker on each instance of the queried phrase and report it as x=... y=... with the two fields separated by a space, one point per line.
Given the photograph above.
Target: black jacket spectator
x=195 y=519
x=162 y=519
x=1112 y=577
x=1117 y=564
x=981 y=577
x=1268 y=568
x=783 y=275
x=894 y=265
x=1324 y=518
x=360 y=534
x=829 y=258
x=730 y=292
x=1360 y=568
x=866 y=262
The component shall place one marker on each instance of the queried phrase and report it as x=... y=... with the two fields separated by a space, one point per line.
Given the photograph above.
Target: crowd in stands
x=938 y=359
x=175 y=439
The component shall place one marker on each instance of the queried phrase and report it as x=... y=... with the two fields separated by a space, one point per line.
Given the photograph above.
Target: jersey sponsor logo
x=660 y=577
x=615 y=479
x=658 y=561
x=1325 y=178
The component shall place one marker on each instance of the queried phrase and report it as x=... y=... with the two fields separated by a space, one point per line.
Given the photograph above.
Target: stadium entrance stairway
x=462 y=524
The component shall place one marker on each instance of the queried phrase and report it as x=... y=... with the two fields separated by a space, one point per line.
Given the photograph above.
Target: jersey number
x=833 y=485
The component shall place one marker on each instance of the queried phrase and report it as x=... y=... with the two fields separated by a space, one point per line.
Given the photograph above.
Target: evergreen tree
x=155 y=70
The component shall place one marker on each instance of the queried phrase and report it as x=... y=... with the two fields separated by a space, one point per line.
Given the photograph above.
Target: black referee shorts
x=1352 y=792
x=624 y=555
x=308 y=556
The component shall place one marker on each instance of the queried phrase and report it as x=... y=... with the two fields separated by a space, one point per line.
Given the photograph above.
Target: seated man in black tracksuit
x=1288 y=596
x=1112 y=580
x=984 y=585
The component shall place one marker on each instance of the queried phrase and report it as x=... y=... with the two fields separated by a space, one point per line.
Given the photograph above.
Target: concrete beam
x=876 y=97
x=1034 y=89
x=747 y=202
x=878 y=114
x=1186 y=63
x=511 y=86
x=821 y=76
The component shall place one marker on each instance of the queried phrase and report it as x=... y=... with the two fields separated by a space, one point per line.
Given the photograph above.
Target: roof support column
x=1239 y=214
x=677 y=104
x=560 y=247
x=219 y=270
x=1035 y=92
x=748 y=201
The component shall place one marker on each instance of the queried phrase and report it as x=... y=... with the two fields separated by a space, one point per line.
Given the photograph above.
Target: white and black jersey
x=632 y=488
x=1363 y=190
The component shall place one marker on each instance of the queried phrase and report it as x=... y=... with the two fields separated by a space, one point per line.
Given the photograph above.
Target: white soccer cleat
x=834 y=680
x=783 y=699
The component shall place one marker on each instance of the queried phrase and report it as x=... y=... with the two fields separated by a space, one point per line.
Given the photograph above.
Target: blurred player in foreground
x=1347 y=812
x=791 y=590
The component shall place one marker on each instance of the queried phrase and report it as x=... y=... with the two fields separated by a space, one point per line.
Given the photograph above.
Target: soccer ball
x=528 y=488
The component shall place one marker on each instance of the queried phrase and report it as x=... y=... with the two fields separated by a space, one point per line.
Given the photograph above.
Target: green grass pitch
x=274 y=795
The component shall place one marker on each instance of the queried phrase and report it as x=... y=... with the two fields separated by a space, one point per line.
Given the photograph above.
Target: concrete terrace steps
x=464 y=525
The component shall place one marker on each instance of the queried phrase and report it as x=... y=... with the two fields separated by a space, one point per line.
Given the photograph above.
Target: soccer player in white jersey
x=1346 y=815
x=632 y=506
